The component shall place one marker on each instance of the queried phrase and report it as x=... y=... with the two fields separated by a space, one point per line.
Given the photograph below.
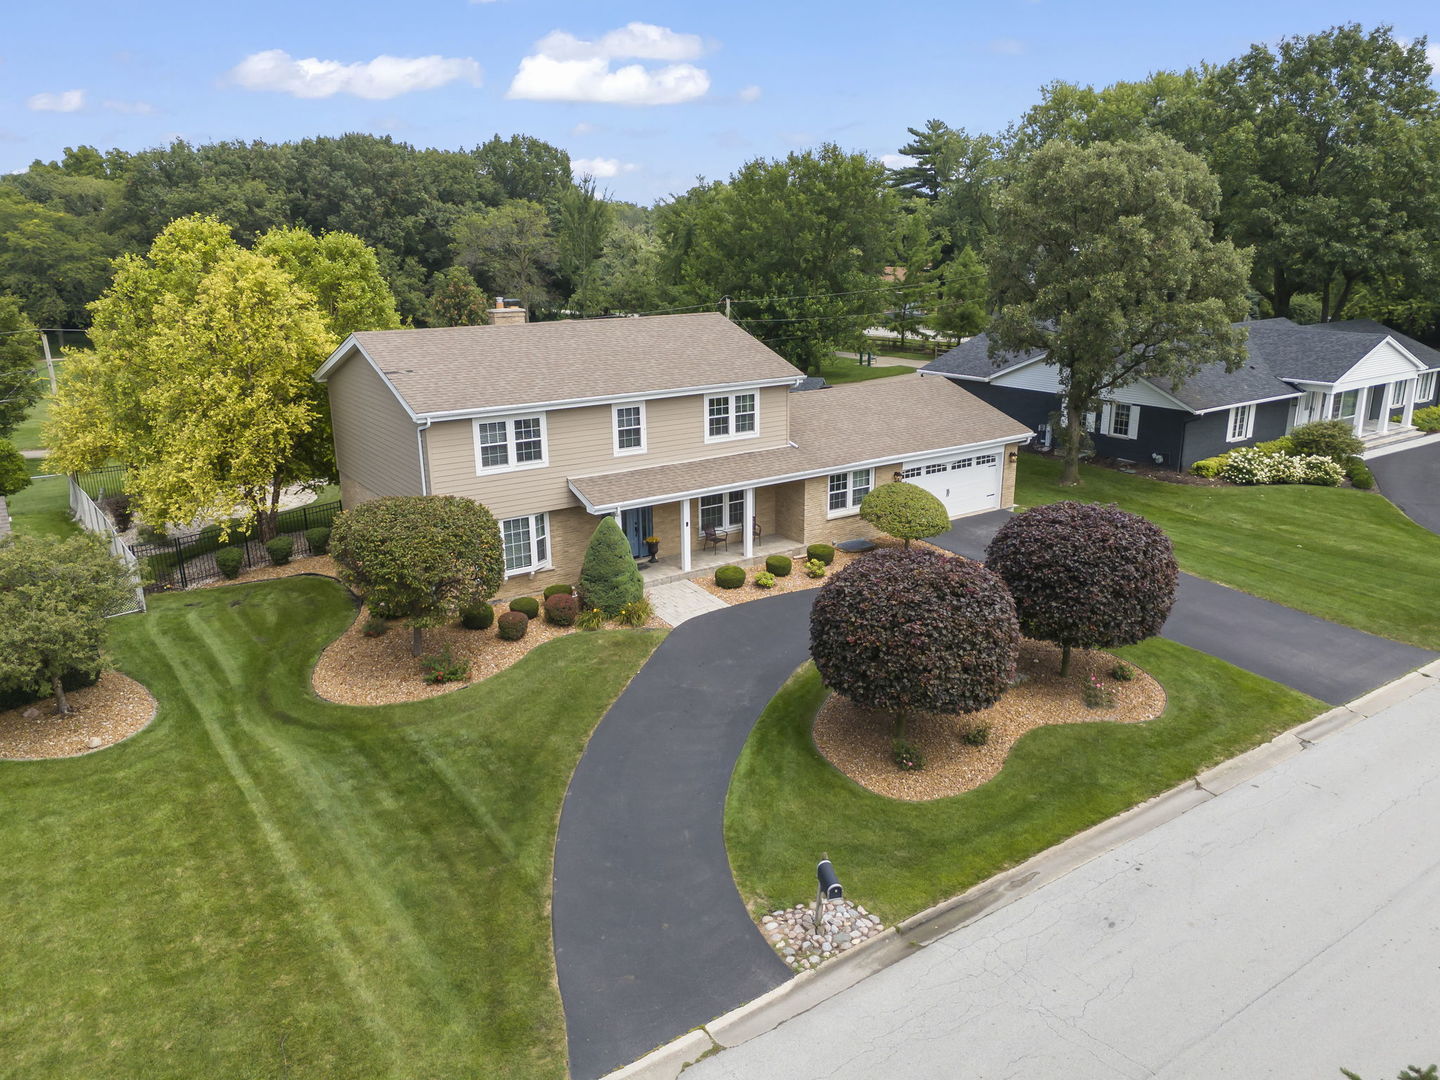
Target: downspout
x=420 y=429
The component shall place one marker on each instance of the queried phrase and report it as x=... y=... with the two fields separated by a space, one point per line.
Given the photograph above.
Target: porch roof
x=855 y=426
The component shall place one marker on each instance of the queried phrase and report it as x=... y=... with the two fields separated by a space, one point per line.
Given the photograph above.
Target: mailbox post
x=828 y=887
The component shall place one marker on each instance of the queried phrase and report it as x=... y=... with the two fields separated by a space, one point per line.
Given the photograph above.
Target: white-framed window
x=527 y=543
x=1240 y=424
x=910 y=473
x=1121 y=419
x=629 y=424
x=723 y=510
x=512 y=443
x=963 y=463
x=987 y=459
x=930 y=470
x=848 y=489
x=1343 y=405
x=1426 y=389
x=732 y=416
x=1399 y=394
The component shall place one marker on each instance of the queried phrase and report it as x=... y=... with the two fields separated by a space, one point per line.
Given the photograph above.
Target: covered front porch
x=1377 y=411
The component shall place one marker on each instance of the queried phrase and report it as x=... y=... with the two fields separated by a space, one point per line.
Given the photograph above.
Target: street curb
x=810 y=988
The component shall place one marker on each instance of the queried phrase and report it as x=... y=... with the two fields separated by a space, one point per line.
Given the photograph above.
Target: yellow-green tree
x=200 y=378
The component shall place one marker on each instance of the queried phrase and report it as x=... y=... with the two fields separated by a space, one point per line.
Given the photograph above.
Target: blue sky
x=649 y=94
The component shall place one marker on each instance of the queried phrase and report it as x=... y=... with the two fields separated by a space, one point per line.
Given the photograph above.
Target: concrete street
x=1285 y=929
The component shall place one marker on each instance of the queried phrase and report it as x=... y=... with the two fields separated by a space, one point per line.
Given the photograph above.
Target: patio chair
x=755 y=528
x=714 y=538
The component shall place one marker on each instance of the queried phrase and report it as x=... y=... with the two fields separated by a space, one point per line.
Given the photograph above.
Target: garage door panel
x=964 y=483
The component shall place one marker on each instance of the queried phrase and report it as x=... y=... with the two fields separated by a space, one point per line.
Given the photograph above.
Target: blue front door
x=637 y=525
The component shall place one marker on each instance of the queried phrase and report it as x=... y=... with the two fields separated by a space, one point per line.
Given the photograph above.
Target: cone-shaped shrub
x=904 y=511
x=913 y=630
x=1087 y=576
x=608 y=578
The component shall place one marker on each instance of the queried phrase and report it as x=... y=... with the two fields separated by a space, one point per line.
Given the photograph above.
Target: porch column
x=1362 y=406
x=1387 y=395
x=1411 y=386
x=685 y=535
x=749 y=522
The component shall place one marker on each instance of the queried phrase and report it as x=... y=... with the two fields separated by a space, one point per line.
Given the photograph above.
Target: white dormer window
x=732 y=416
x=513 y=443
x=630 y=428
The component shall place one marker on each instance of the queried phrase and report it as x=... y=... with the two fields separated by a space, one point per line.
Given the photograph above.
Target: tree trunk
x=62 y=703
x=269 y=516
x=415 y=633
x=1070 y=471
x=1280 y=299
x=1064 y=660
x=1350 y=280
x=902 y=717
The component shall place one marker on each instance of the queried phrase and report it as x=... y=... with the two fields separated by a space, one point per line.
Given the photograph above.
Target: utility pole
x=49 y=360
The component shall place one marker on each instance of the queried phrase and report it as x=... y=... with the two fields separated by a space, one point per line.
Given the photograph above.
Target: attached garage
x=965 y=483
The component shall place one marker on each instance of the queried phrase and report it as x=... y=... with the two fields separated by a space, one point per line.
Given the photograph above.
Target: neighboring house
x=1357 y=371
x=675 y=424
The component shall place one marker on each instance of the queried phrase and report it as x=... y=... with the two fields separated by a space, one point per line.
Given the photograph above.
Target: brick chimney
x=506 y=311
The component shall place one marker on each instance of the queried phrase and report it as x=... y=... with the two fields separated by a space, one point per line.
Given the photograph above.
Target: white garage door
x=965 y=483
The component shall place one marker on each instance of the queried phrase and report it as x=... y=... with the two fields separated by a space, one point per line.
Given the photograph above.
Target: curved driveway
x=1411 y=480
x=651 y=936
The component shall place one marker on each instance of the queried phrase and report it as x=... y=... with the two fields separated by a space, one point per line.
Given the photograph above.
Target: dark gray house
x=1357 y=371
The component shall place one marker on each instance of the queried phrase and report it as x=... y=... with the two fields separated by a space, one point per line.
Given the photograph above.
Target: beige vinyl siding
x=375 y=444
x=581 y=442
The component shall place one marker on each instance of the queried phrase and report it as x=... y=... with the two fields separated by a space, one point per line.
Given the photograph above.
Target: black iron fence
x=178 y=562
x=106 y=482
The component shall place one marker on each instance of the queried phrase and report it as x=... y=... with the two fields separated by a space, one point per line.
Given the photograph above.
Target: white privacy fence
x=95 y=520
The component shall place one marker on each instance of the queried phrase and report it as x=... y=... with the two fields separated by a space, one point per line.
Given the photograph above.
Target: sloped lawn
x=263 y=884
x=787 y=804
x=1345 y=555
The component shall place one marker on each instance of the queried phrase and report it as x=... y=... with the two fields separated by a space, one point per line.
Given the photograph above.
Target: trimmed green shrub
x=635 y=613
x=904 y=511
x=375 y=626
x=229 y=561
x=1283 y=445
x=814 y=568
x=559 y=590
x=1086 y=576
x=608 y=577
x=914 y=630
x=512 y=625
x=1318 y=470
x=1359 y=474
x=1334 y=439
x=975 y=734
x=764 y=580
x=444 y=667
x=1122 y=672
x=561 y=609
x=16 y=697
x=1427 y=419
x=477 y=617
x=318 y=539
x=280 y=549
x=779 y=565
x=526 y=605
x=590 y=619
x=825 y=553
x=729 y=577
x=15 y=476
x=1209 y=467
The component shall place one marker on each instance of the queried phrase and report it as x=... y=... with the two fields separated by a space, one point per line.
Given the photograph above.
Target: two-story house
x=684 y=427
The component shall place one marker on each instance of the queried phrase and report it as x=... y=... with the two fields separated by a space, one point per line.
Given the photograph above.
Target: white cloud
x=134 y=108
x=750 y=93
x=566 y=68
x=1432 y=53
x=378 y=79
x=601 y=168
x=582 y=128
x=1007 y=46
x=65 y=101
x=896 y=161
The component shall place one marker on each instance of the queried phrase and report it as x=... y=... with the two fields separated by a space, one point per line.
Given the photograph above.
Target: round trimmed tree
x=423 y=557
x=1085 y=576
x=915 y=631
x=905 y=511
x=609 y=579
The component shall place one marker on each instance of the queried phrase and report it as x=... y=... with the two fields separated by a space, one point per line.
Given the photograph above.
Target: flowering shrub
x=907 y=756
x=765 y=580
x=1097 y=694
x=443 y=667
x=1314 y=469
x=1252 y=465
x=635 y=613
x=904 y=630
x=590 y=619
x=1086 y=576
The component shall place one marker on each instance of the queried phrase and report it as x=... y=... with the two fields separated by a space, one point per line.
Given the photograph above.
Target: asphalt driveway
x=1411 y=480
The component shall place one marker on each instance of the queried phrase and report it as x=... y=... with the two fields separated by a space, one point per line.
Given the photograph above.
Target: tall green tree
x=915 y=273
x=961 y=309
x=20 y=386
x=1104 y=257
x=54 y=596
x=55 y=261
x=799 y=244
x=511 y=250
x=524 y=167
x=583 y=220
x=626 y=277
x=455 y=301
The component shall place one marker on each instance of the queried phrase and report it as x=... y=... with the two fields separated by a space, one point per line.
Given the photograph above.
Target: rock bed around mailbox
x=843 y=926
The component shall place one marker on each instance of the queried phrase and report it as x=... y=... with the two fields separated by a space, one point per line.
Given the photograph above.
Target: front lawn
x=839 y=370
x=1345 y=555
x=263 y=884
x=27 y=436
x=787 y=804
x=43 y=508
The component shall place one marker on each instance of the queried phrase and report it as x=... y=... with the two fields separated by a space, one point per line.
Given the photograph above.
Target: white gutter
x=605 y=399
x=420 y=428
x=1238 y=404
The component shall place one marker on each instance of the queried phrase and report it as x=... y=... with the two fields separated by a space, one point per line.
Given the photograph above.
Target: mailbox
x=830 y=887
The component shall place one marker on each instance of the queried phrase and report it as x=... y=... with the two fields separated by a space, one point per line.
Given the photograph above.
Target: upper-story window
x=630 y=428
x=731 y=416
x=513 y=443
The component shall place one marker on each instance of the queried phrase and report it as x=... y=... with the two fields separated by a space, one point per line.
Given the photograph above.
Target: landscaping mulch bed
x=322 y=565
x=113 y=709
x=858 y=741
x=797 y=578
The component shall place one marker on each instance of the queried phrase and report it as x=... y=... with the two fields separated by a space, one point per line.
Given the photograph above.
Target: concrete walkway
x=1411 y=480
x=34 y=455
x=651 y=936
x=679 y=601
x=1286 y=928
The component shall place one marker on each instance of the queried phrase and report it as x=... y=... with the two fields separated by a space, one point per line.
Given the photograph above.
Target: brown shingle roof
x=452 y=369
x=880 y=421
